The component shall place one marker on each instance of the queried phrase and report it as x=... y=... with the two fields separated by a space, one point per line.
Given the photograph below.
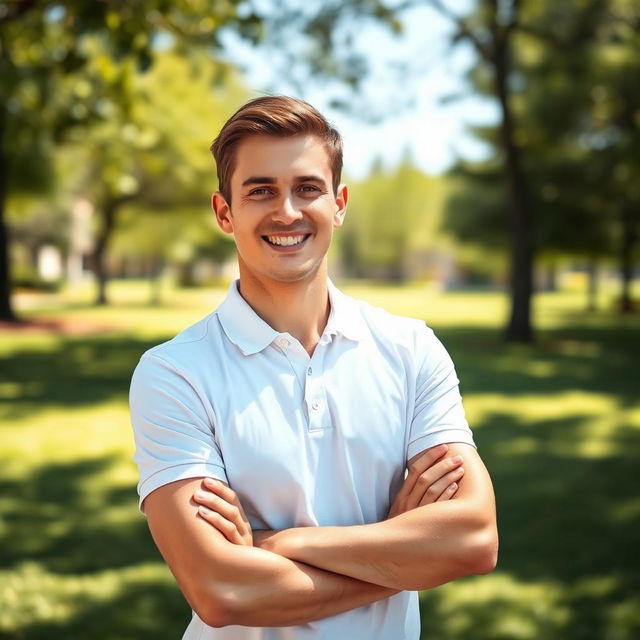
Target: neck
x=299 y=308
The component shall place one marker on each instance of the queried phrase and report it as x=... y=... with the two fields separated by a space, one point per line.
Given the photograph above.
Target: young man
x=273 y=436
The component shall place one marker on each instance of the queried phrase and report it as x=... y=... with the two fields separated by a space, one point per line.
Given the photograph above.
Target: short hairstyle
x=279 y=116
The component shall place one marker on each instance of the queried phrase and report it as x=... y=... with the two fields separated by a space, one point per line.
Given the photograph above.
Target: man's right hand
x=219 y=505
x=432 y=477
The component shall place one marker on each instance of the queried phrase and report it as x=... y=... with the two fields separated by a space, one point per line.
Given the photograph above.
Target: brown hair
x=279 y=116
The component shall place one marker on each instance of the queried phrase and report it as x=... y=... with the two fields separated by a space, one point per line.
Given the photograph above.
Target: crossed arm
x=437 y=531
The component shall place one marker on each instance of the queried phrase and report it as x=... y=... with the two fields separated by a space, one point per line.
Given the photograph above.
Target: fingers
x=219 y=505
x=430 y=485
x=227 y=528
x=418 y=465
x=226 y=493
x=423 y=461
x=443 y=488
x=221 y=489
x=448 y=493
x=430 y=479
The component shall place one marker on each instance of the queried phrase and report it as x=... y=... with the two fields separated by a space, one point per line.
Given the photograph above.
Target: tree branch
x=463 y=29
x=16 y=9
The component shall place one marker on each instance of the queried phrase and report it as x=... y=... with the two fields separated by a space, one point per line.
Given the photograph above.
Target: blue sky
x=434 y=132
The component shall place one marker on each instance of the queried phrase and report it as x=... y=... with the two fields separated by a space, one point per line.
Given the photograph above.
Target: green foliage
x=71 y=64
x=44 y=45
x=154 y=148
x=181 y=236
x=391 y=214
x=573 y=85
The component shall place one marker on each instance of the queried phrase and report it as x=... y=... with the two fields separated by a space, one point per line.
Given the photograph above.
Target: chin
x=291 y=277
x=294 y=275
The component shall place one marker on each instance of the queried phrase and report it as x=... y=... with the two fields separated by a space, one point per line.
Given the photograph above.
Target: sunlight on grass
x=599 y=415
x=63 y=434
x=508 y=608
x=31 y=595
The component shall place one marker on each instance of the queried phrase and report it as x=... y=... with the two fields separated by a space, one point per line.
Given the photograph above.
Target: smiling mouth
x=286 y=241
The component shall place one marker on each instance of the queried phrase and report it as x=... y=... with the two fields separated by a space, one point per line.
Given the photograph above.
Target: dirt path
x=58 y=326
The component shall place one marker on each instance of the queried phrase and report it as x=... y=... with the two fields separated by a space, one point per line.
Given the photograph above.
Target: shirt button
x=309 y=371
x=315 y=405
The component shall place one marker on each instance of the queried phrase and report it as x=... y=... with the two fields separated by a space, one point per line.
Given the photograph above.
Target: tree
x=42 y=44
x=610 y=131
x=495 y=31
x=577 y=84
x=392 y=212
x=153 y=151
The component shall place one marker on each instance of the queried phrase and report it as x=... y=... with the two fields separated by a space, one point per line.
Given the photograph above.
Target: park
x=491 y=153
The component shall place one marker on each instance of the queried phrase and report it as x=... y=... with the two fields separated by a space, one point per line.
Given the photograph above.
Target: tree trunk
x=186 y=274
x=6 y=310
x=108 y=212
x=521 y=276
x=592 y=286
x=551 y=278
x=155 y=280
x=627 y=244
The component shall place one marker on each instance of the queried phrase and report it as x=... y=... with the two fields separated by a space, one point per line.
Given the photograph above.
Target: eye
x=309 y=188
x=260 y=191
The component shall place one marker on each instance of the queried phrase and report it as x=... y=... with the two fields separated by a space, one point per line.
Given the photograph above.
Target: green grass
x=557 y=423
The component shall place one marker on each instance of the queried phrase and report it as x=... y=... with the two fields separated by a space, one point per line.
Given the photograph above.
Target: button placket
x=315 y=396
x=297 y=358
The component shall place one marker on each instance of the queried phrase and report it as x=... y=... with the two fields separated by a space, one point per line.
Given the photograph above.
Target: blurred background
x=492 y=149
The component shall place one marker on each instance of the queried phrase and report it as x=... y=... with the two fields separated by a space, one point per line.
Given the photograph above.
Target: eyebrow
x=270 y=180
x=258 y=180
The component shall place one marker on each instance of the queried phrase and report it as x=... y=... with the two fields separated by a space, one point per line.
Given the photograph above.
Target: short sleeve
x=173 y=431
x=438 y=415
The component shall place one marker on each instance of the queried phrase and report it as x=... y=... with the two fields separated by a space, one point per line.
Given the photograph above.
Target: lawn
x=557 y=423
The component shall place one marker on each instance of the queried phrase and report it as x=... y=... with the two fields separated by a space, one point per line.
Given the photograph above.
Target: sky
x=433 y=131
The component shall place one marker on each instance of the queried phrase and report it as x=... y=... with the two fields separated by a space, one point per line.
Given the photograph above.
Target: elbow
x=483 y=552
x=214 y=608
x=214 y=615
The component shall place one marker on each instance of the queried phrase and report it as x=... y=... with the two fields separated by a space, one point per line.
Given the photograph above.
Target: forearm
x=227 y=583
x=265 y=589
x=420 y=549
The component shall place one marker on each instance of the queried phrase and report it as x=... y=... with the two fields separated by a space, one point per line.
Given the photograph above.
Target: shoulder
x=187 y=349
x=401 y=331
x=405 y=342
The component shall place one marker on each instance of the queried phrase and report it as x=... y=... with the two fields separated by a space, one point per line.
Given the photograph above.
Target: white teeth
x=285 y=241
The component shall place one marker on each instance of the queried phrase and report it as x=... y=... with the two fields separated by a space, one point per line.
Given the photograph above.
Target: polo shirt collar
x=251 y=334
x=345 y=317
x=243 y=326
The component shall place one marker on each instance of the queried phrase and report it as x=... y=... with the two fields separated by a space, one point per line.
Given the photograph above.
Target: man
x=273 y=436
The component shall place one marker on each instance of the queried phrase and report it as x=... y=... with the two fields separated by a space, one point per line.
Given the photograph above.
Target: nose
x=286 y=211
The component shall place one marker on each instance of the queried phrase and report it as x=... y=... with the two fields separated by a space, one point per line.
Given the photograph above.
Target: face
x=283 y=209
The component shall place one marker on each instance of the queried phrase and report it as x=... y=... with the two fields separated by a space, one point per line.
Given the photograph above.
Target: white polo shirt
x=303 y=441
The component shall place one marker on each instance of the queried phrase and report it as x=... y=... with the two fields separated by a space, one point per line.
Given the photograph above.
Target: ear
x=222 y=212
x=341 y=205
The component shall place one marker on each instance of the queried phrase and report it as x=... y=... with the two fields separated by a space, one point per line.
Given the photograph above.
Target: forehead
x=280 y=157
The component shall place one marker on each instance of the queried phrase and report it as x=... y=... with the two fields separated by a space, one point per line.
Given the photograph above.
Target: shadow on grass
x=137 y=612
x=564 y=515
x=88 y=370
x=568 y=523
x=59 y=523
x=597 y=360
x=55 y=519
x=77 y=372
